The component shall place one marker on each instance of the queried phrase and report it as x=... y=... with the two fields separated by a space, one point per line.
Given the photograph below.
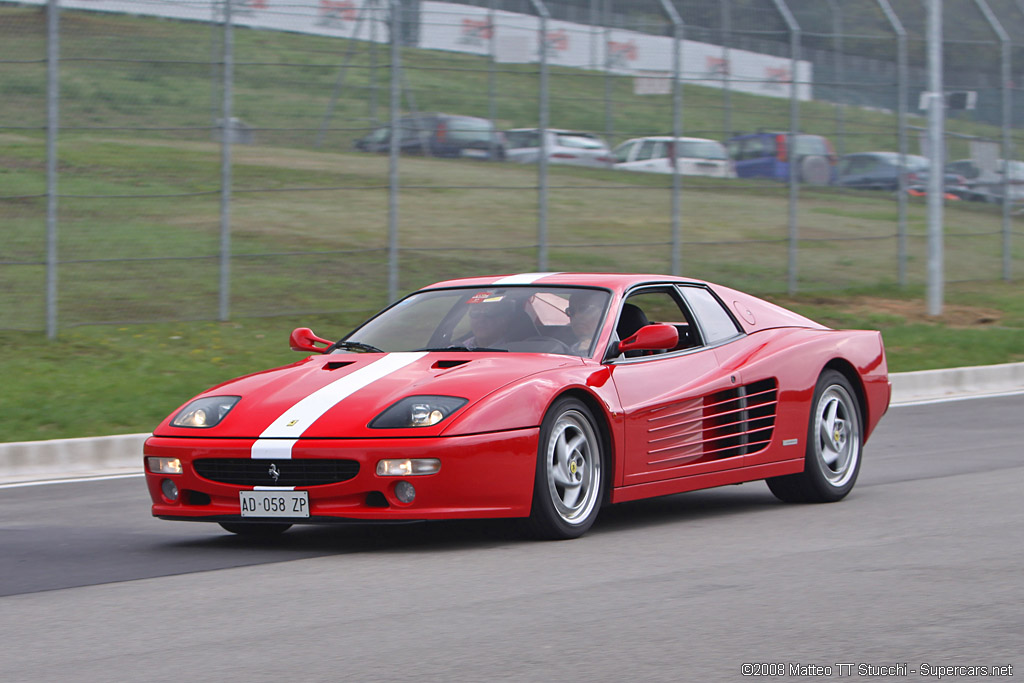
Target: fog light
x=170 y=489
x=408 y=467
x=405 y=492
x=163 y=465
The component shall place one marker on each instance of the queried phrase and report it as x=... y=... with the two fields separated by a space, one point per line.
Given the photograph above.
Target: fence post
x=52 y=124
x=677 y=126
x=609 y=116
x=542 y=124
x=936 y=144
x=837 y=36
x=1004 y=44
x=901 y=122
x=794 y=129
x=373 y=64
x=396 y=94
x=492 y=105
x=225 y=166
x=726 y=18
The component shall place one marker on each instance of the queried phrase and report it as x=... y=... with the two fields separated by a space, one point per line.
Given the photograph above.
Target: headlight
x=203 y=413
x=418 y=411
x=408 y=467
x=163 y=465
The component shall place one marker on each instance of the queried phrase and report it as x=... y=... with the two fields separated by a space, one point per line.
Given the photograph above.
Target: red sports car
x=541 y=396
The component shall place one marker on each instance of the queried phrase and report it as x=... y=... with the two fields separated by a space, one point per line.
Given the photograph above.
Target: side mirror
x=303 y=339
x=656 y=337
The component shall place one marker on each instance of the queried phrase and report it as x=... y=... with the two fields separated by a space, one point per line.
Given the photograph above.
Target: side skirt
x=705 y=481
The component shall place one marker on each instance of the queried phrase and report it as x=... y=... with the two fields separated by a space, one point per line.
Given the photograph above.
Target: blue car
x=766 y=155
x=881 y=171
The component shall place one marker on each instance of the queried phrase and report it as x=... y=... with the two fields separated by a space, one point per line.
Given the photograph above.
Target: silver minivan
x=572 y=147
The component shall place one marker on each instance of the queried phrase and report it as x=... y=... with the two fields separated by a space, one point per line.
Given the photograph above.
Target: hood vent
x=335 y=364
x=447 y=364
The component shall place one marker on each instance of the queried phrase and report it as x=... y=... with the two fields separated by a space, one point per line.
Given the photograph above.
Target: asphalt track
x=920 y=565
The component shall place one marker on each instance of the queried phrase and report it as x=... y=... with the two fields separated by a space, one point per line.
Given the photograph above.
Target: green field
x=139 y=216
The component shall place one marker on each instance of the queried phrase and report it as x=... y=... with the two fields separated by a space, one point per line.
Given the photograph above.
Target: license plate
x=476 y=153
x=274 y=503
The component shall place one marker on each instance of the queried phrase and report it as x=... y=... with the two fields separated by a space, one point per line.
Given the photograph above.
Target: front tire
x=835 y=437
x=569 y=484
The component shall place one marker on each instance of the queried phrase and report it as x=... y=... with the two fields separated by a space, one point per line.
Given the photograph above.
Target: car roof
x=439 y=115
x=669 y=138
x=884 y=155
x=773 y=132
x=618 y=282
x=560 y=131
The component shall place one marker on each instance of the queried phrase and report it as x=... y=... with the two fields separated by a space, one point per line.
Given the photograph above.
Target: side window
x=755 y=148
x=714 y=321
x=646 y=150
x=748 y=149
x=622 y=152
x=380 y=135
x=654 y=305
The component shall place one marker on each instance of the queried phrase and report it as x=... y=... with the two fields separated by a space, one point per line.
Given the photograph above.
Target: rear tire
x=256 y=529
x=569 y=484
x=835 y=439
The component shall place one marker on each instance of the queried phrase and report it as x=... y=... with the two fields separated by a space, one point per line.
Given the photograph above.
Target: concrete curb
x=26 y=461
x=68 y=458
x=937 y=385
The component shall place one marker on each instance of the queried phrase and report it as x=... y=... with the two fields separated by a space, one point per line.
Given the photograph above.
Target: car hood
x=338 y=395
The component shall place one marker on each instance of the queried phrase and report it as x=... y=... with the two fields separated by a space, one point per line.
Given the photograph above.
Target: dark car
x=440 y=135
x=987 y=184
x=881 y=171
x=766 y=155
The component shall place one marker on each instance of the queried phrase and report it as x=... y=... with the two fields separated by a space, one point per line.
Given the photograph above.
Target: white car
x=573 y=147
x=695 y=156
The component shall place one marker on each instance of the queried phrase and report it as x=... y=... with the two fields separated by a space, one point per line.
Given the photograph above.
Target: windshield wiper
x=461 y=348
x=354 y=346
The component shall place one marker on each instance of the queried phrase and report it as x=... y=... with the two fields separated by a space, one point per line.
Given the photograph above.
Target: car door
x=678 y=405
x=649 y=157
x=756 y=157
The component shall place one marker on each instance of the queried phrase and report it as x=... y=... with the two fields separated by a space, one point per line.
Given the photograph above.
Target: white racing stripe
x=272 y=449
x=277 y=440
x=523 y=278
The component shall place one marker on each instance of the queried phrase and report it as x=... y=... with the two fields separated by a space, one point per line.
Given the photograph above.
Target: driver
x=490 y=322
x=584 y=310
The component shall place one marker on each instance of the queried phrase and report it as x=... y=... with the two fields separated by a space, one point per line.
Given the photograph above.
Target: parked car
x=766 y=155
x=987 y=185
x=881 y=171
x=695 y=156
x=440 y=135
x=573 y=147
x=541 y=396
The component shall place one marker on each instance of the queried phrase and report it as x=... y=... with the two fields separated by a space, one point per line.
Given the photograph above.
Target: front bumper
x=483 y=475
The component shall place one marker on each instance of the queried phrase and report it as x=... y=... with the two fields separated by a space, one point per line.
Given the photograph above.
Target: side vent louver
x=741 y=420
x=724 y=424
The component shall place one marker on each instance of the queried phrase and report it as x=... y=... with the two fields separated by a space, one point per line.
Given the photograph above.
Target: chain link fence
x=166 y=160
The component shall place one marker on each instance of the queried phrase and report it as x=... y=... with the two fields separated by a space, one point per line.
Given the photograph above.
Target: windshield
x=702 y=149
x=563 y=320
